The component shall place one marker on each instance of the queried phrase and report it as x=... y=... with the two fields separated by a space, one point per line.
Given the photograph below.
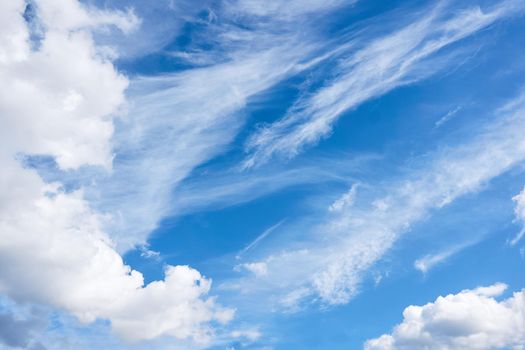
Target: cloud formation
x=123 y=152
x=178 y=121
x=403 y=57
x=341 y=249
x=470 y=320
x=429 y=261
x=519 y=213
x=54 y=250
x=19 y=333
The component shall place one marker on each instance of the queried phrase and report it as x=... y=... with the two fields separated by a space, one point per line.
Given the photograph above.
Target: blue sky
x=246 y=174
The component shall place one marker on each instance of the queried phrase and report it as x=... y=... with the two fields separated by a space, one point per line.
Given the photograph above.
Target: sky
x=265 y=175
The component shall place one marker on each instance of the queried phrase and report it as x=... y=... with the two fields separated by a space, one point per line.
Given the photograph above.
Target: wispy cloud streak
x=175 y=122
x=259 y=238
x=450 y=114
x=427 y=262
x=341 y=250
x=519 y=212
x=409 y=55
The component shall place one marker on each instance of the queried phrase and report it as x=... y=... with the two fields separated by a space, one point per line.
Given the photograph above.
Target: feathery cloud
x=339 y=251
x=409 y=55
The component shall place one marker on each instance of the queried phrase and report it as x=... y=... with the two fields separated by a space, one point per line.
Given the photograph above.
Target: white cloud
x=450 y=114
x=287 y=10
x=470 y=320
x=250 y=334
x=259 y=238
x=257 y=268
x=170 y=307
x=519 y=212
x=215 y=189
x=427 y=262
x=178 y=121
x=69 y=242
x=13 y=45
x=345 y=201
x=59 y=100
x=331 y=259
x=69 y=15
x=362 y=235
x=175 y=123
x=403 y=57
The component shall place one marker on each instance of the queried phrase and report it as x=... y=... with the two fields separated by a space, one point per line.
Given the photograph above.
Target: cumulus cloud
x=472 y=319
x=60 y=100
x=56 y=100
x=170 y=307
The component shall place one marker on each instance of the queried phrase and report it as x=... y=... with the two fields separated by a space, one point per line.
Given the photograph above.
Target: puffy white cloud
x=471 y=320
x=13 y=45
x=56 y=100
x=59 y=100
x=170 y=307
x=53 y=252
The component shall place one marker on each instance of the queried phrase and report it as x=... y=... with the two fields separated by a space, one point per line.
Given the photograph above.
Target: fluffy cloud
x=59 y=100
x=56 y=100
x=173 y=306
x=471 y=319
